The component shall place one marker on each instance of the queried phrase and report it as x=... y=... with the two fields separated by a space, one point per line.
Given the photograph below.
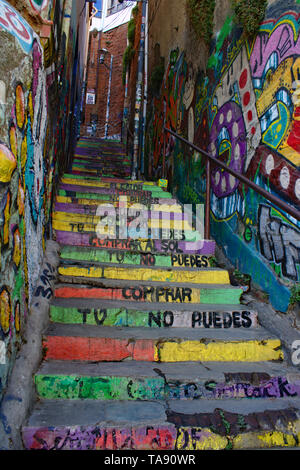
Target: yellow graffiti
x=90 y=222
x=96 y=202
x=7 y=164
x=20 y=106
x=243 y=351
x=23 y=152
x=139 y=274
x=17 y=317
x=6 y=220
x=5 y=310
x=202 y=439
x=17 y=248
x=265 y=440
x=21 y=198
x=281 y=78
x=13 y=140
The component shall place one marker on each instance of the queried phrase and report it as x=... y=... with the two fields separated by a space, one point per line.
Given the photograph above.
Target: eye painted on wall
x=20 y=106
x=17 y=316
x=6 y=217
x=21 y=198
x=13 y=140
x=5 y=310
x=17 y=247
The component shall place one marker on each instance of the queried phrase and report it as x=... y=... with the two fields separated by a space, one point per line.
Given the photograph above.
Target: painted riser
x=154 y=246
x=77 y=387
x=159 y=438
x=157 y=429
x=154 y=319
x=121 y=257
x=90 y=208
x=73 y=348
x=107 y=195
x=146 y=293
x=130 y=186
x=76 y=210
x=77 y=188
x=92 y=221
x=144 y=274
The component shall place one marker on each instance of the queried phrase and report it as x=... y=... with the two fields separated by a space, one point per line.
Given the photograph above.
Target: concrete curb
x=20 y=392
x=277 y=324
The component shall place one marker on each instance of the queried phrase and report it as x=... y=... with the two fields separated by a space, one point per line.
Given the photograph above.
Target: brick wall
x=115 y=42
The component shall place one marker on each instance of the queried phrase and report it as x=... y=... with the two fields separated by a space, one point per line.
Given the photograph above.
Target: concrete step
x=92 y=270
x=167 y=381
x=111 y=216
x=178 y=425
x=149 y=291
x=96 y=183
x=106 y=194
x=153 y=246
x=114 y=161
x=151 y=315
x=90 y=210
x=165 y=205
x=103 y=172
x=93 y=344
x=117 y=257
x=89 y=207
x=79 y=189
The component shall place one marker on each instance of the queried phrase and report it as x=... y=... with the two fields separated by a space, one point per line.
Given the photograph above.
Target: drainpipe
x=145 y=95
x=138 y=96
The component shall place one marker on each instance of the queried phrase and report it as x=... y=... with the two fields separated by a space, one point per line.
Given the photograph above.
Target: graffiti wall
x=35 y=136
x=243 y=110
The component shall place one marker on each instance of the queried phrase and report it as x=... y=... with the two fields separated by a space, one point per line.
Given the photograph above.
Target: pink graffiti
x=281 y=41
x=12 y=21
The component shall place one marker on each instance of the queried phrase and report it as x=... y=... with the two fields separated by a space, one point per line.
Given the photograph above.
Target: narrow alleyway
x=148 y=345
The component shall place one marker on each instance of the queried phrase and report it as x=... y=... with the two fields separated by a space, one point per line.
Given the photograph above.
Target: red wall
x=115 y=41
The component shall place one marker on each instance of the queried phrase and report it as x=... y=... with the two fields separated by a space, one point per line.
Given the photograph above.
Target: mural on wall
x=33 y=143
x=244 y=111
x=22 y=176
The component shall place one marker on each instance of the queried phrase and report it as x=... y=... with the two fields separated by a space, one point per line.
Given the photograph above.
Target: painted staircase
x=148 y=345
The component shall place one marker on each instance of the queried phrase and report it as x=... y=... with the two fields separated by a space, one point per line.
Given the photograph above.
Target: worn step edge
x=91 y=204
x=166 y=211
x=133 y=425
x=154 y=246
x=113 y=257
x=92 y=184
x=170 y=318
x=144 y=274
x=89 y=343
x=149 y=381
x=173 y=293
x=147 y=306
x=133 y=197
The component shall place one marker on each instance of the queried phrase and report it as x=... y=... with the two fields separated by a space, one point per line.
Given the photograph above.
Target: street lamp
x=103 y=54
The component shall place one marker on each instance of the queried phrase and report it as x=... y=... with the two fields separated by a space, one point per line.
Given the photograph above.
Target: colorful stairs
x=149 y=347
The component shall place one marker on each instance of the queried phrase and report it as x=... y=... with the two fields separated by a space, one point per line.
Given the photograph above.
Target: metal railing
x=212 y=160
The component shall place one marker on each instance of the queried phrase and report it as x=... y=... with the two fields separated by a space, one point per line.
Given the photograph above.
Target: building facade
x=105 y=88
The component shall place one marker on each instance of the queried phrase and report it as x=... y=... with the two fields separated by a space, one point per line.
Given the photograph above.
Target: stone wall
x=37 y=122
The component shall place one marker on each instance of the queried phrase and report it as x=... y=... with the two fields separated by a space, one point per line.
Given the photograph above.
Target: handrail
x=209 y=158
